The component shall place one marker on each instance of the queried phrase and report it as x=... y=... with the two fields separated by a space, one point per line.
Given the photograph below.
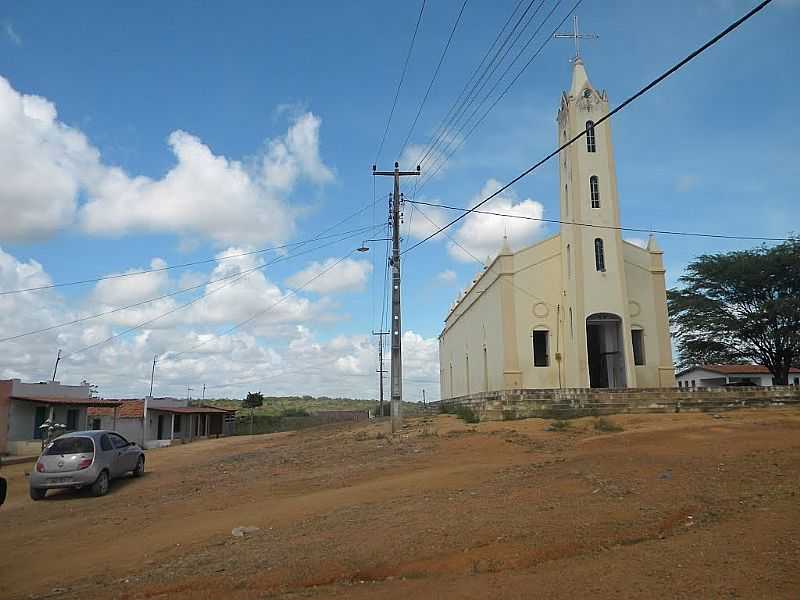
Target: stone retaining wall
x=578 y=402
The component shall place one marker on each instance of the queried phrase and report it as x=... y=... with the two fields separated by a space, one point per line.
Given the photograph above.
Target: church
x=583 y=308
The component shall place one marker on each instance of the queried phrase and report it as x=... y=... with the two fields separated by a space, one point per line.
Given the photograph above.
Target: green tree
x=740 y=307
x=252 y=401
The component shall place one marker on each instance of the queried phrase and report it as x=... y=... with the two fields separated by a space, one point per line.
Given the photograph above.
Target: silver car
x=85 y=459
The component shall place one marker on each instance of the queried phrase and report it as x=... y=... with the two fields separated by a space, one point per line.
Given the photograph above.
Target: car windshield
x=71 y=445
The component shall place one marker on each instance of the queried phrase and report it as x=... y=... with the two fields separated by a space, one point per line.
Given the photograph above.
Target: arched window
x=590 y=141
x=594 y=190
x=599 y=256
x=569 y=262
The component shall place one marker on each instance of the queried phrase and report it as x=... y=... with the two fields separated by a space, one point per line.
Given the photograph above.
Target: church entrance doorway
x=605 y=351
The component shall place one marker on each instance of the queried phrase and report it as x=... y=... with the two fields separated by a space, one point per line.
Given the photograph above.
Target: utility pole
x=380 y=370
x=189 y=391
x=153 y=374
x=58 y=360
x=148 y=398
x=204 y=392
x=396 y=329
x=424 y=403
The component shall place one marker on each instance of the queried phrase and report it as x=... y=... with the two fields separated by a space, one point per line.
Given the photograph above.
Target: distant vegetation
x=293 y=406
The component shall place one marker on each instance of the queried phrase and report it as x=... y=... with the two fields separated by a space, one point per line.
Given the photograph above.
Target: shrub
x=559 y=425
x=469 y=415
x=603 y=424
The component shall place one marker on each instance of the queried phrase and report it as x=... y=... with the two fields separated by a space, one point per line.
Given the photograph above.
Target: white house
x=25 y=406
x=704 y=376
x=583 y=308
x=169 y=420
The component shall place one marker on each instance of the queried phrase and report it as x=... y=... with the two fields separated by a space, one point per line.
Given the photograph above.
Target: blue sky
x=712 y=149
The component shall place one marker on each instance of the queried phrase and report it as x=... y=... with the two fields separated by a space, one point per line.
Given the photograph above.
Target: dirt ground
x=679 y=506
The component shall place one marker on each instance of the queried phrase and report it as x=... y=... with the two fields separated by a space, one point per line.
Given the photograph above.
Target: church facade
x=583 y=308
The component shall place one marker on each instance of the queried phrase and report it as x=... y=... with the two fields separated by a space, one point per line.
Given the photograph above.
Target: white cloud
x=482 y=234
x=348 y=276
x=686 y=183
x=128 y=290
x=45 y=165
x=278 y=353
x=425 y=220
x=446 y=277
x=39 y=157
x=12 y=35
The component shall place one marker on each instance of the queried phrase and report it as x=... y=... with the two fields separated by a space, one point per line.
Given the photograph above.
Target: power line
x=612 y=227
x=443 y=123
x=112 y=311
x=400 y=83
x=318 y=237
x=292 y=292
x=467 y=100
x=479 y=261
x=433 y=79
x=460 y=141
x=173 y=310
x=632 y=98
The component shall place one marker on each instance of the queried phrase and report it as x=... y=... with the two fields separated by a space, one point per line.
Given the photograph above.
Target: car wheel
x=38 y=493
x=100 y=486
x=139 y=470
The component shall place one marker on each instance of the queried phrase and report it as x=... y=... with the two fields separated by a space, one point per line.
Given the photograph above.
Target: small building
x=24 y=407
x=169 y=420
x=706 y=376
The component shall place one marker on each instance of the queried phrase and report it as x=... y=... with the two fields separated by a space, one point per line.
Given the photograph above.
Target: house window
x=680 y=384
x=72 y=419
x=97 y=424
x=599 y=255
x=693 y=383
x=594 y=189
x=177 y=427
x=540 y=348
x=797 y=380
x=590 y=141
x=637 y=337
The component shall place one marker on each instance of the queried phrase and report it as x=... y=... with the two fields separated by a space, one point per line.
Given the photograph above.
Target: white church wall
x=537 y=285
x=476 y=324
x=641 y=311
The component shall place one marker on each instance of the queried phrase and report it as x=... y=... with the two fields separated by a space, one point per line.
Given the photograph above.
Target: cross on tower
x=577 y=36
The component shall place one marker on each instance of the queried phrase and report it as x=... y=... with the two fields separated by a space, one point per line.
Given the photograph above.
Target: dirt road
x=679 y=506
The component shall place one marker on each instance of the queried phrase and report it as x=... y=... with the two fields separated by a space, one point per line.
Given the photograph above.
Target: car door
x=121 y=456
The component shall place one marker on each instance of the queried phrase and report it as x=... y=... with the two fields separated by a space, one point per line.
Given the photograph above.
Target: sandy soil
x=679 y=506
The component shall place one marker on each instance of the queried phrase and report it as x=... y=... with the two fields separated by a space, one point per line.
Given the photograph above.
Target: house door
x=160 y=435
x=38 y=419
x=605 y=351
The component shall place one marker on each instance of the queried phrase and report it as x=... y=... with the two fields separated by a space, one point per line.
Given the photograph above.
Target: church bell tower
x=594 y=295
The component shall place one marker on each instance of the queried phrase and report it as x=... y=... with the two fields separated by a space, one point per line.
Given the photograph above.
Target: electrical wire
x=458 y=139
x=479 y=83
x=361 y=230
x=320 y=236
x=433 y=79
x=171 y=311
x=628 y=101
x=292 y=292
x=400 y=83
x=611 y=227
